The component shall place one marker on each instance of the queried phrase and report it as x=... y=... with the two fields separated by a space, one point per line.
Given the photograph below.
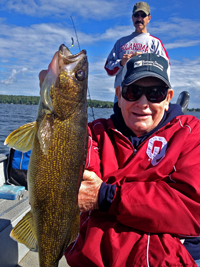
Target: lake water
x=13 y=116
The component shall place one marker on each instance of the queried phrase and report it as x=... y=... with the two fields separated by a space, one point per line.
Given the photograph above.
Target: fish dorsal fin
x=24 y=232
x=23 y=138
x=45 y=132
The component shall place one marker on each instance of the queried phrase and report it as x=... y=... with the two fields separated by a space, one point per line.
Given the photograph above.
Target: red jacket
x=157 y=200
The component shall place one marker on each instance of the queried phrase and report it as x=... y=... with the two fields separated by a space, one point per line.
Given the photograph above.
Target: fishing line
x=80 y=50
x=75 y=33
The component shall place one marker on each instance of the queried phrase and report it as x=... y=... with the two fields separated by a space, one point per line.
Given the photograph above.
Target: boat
x=12 y=253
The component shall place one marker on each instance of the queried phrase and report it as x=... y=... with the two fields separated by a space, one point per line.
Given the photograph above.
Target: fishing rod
x=80 y=50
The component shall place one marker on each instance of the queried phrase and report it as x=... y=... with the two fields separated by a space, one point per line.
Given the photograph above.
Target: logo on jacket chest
x=156 y=149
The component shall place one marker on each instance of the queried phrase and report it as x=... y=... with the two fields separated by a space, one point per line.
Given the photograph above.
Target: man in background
x=137 y=43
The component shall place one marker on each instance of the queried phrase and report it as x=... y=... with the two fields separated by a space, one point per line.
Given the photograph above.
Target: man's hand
x=89 y=191
x=126 y=57
x=53 y=66
x=42 y=75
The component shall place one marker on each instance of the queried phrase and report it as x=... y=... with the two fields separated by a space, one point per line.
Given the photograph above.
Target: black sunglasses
x=154 y=94
x=137 y=15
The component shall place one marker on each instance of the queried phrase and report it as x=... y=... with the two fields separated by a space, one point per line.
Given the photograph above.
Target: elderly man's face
x=142 y=116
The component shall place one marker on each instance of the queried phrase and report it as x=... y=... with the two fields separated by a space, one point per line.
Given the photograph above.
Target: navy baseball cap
x=146 y=65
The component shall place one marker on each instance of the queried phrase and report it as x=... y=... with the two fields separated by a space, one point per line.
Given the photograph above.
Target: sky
x=31 y=31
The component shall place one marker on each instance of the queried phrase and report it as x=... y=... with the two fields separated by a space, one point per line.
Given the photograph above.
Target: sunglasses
x=154 y=94
x=137 y=15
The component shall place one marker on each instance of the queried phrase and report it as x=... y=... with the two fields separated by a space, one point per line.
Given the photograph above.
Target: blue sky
x=32 y=30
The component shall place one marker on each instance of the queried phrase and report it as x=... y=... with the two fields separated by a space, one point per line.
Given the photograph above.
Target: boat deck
x=11 y=211
x=31 y=259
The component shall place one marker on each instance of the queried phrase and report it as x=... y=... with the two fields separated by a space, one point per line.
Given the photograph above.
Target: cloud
x=175 y=27
x=185 y=77
x=31 y=46
x=115 y=33
x=101 y=86
x=86 y=9
x=13 y=76
x=182 y=43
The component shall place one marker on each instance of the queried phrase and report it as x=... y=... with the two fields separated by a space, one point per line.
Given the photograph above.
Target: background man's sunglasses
x=154 y=94
x=137 y=15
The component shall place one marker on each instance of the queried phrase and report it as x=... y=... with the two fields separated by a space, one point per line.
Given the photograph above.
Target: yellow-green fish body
x=59 y=145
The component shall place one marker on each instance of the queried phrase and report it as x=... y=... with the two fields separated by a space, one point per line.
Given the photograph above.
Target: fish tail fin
x=24 y=232
x=22 y=139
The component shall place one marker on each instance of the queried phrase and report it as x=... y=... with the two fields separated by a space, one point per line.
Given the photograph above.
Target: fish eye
x=80 y=75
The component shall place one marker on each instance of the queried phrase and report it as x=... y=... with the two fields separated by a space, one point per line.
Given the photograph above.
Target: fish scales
x=47 y=197
x=57 y=159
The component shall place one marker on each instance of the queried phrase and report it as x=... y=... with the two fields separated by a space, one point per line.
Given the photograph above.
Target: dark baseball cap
x=146 y=65
x=141 y=6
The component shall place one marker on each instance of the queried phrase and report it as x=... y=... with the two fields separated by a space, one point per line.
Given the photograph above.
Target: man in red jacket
x=140 y=194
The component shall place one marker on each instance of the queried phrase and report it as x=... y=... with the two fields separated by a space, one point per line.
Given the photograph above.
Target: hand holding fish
x=53 y=66
x=89 y=191
x=42 y=75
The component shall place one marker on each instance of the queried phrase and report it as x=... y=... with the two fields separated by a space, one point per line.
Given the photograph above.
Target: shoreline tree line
x=34 y=100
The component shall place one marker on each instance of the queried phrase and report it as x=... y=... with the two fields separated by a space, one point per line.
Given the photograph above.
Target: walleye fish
x=58 y=140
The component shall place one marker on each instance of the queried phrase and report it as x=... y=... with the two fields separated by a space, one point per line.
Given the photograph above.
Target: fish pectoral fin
x=76 y=225
x=45 y=132
x=22 y=139
x=24 y=232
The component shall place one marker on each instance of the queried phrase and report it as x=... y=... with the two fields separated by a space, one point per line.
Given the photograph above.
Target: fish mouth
x=65 y=52
x=63 y=60
x=67 y=61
